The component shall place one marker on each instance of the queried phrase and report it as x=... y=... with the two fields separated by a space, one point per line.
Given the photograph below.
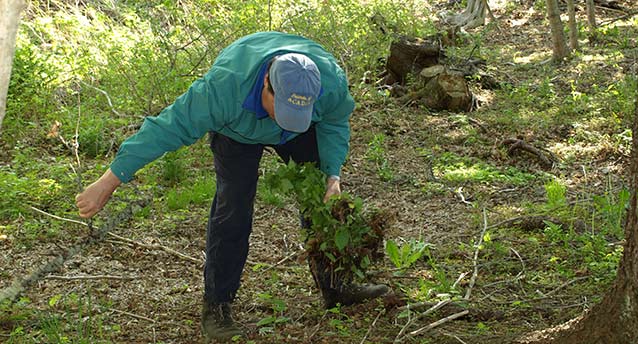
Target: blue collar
x=253 y=100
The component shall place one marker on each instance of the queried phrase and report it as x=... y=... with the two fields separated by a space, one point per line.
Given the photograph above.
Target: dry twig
x=131 y=315
x=371 y=326
x=468 y=292
x=439 y=322
x=439 y=305
x=89 y=277
x=156 y=247
x=58 y=217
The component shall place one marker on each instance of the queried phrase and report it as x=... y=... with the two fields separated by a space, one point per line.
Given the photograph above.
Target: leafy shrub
x=17 y=192
x=341 y=235
x=32 y=78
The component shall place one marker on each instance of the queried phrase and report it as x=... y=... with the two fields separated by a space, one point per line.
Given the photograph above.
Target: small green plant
x=555 y=234
x=459 y=169
x=377 y=154
x=611 y=209
x=407 y=254
x=339 y=321
x=278 y=308
x=555 y=192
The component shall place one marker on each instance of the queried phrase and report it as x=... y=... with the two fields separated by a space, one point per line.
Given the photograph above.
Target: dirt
x=161 y=298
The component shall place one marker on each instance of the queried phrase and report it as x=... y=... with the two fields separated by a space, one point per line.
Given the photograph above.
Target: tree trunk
x=558 y=38
x=591 y=19
x=473 y=16
x=10 y=15
x=615 y=319
x=573 y=29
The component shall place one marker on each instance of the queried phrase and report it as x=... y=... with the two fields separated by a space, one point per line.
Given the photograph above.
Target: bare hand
x=332 y=188
x=96 y=195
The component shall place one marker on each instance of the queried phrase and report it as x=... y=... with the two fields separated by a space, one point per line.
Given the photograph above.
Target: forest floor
x=550 y=235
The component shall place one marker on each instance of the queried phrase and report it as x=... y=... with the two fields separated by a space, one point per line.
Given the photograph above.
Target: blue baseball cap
x=296 y=82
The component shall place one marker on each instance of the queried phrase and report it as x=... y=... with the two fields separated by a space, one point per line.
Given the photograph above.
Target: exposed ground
x=442 y=173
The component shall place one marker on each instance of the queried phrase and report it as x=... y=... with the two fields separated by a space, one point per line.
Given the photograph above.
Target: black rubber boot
x=335 y=289
x=352 y=294
x=217 y=322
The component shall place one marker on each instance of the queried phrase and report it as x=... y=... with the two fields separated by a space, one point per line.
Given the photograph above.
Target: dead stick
x=131 y=315
x=432 y=309
x=58 y=217
x=156 y=247
x=440 y=322
x=288 y=257
x=371 y=326
x=20 y=284
x=522 y=145
x=468 y=292
x=89 y=277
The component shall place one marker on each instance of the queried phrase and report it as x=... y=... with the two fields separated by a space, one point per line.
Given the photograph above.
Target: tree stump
x=445 y=90
x=410 y=55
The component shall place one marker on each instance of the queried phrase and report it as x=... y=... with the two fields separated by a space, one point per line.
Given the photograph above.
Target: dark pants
x=231 y=214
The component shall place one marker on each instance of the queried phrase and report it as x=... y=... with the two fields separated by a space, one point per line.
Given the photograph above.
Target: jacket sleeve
x=333 y=131
x=184 y=122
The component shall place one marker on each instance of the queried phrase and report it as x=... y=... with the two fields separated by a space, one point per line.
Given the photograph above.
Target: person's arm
x=333 y=137
x=181 y=123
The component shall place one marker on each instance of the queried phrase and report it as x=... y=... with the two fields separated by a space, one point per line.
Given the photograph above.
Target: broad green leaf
x=393 y=253
x=341 y=238
x=266 y=321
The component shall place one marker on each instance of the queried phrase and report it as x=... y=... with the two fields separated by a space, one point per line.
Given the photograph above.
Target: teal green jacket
x=214 y=102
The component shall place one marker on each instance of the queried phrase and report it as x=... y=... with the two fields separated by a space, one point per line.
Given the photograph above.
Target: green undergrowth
x=96 y=69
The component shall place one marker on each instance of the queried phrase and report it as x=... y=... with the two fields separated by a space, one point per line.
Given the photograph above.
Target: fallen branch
x=58 y=217
x=439 y=322
x=623 y=17
x=516 y=144
x=439 y=305
x=89 y=277
x=285 y=259
x=22 y=283
x=459 y=193
x=157 y=247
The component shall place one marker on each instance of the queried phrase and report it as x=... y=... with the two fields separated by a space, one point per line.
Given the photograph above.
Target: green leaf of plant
x=330 y=256
x=393 y=253
x=342 y=237
x=266 y=321
x=54 y=300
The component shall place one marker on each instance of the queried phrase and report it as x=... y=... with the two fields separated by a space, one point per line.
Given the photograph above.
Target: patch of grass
x=68 y=319
x=200 y=192
x=458 y=169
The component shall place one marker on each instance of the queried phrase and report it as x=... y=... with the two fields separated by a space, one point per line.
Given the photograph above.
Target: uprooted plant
x=339 y=234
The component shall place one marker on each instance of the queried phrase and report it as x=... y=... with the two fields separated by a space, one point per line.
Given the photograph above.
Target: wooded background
x=499 y=135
